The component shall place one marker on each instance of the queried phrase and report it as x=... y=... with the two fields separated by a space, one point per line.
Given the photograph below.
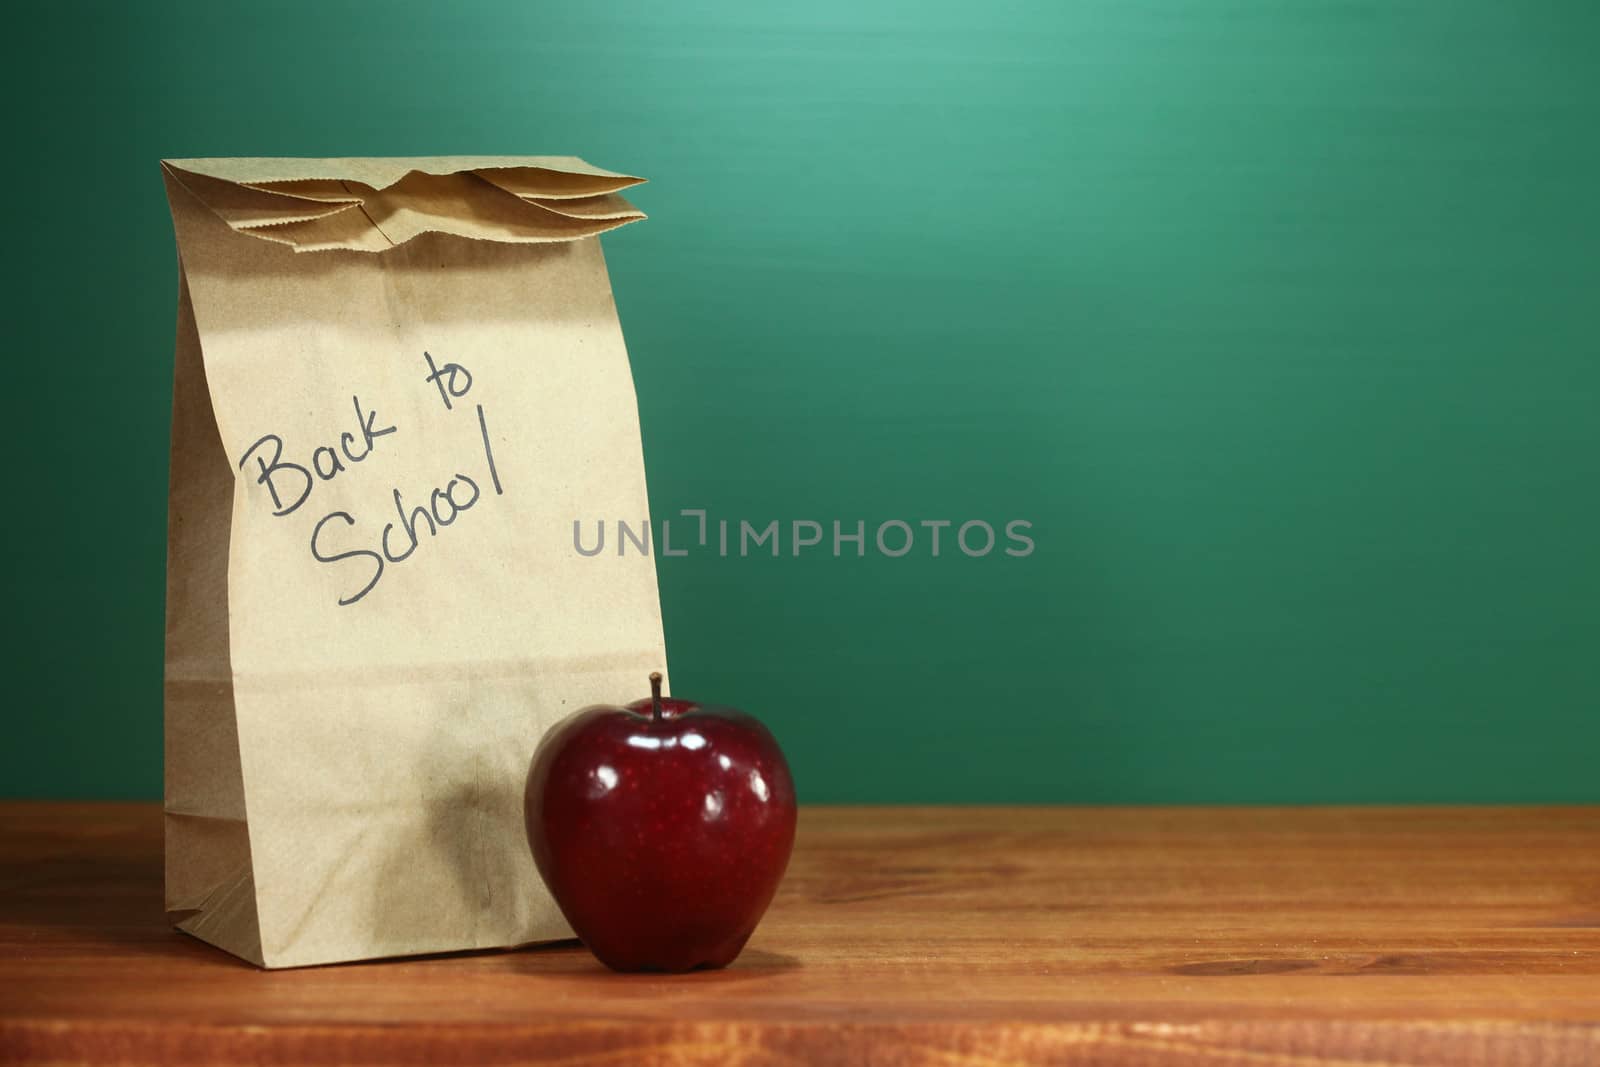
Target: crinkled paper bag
x=398 y=384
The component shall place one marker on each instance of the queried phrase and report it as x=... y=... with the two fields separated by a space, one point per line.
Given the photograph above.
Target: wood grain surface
x=959 y=937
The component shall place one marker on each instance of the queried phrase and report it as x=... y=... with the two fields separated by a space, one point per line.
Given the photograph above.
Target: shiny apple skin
x=662 y=840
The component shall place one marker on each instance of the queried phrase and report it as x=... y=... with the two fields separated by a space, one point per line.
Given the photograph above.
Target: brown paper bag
x=398 y=383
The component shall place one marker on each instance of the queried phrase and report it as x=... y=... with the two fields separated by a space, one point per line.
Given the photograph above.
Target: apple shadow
x=571 y=960
x=461 y=863
x=756 y=962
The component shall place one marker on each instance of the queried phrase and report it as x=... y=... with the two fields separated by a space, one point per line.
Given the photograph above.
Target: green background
x=1279 y=320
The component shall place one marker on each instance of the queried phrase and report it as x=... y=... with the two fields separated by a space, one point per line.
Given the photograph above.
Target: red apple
x=662 y=829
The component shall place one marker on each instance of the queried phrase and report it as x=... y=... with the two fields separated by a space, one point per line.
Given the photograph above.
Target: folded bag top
x=371 y=205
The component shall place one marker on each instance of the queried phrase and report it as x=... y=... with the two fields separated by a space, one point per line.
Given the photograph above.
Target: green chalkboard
x=1278 y=322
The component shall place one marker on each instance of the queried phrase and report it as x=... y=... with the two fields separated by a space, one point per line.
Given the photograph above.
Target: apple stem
x=655 y=696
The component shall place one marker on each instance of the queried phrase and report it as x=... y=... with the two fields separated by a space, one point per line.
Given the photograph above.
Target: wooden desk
x=957 y=937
